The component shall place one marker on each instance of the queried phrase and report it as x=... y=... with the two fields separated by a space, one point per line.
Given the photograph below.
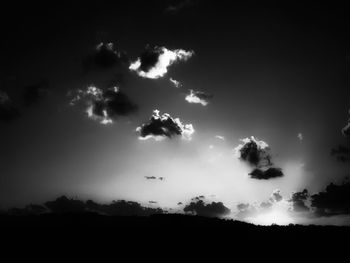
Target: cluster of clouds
x=257 y=154
x=164 y=126
x=154 y=62
x=103 y=105
x=198 y=97
x=198 y=206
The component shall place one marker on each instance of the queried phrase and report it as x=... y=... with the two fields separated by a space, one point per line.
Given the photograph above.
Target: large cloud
x=265 y=174
x=105 y=56
x=8 y=112
x=334 y=200
x=103 y=105
x=164 y=126
x=254 y=152
x=154 y=61
x=200 y=208
x=198 y=97
x=299 y=201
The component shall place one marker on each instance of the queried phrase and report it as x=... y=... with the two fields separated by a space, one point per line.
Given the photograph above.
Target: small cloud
x=103 y=105
x=198 y=97
x=300 y=136
x=164 y=126
x=8 y=112
x=346 y=130
x=220 y=137
x=105 y=56
x=276 y=196
x=154 y=61
x=177 y=7
x=150 y=177
x=176 y=83
x=266 y=174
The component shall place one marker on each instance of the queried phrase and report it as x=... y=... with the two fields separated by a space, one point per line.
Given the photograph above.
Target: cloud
x=198 y=97
x=64 y=205
x=8 y=112
x=276 y=196
x=269 y=173
x=105 y=56
x=254 y=152
x=300 y=136
x=200 y=208
x=34 y=93
x=342 y=153
x=103 y=105
x=179 y=6
x=346 y=130
x=334 y=200
x=299 y=201
x=154 y=61
x=176 y=83
x=220 y=137
x=154 y=178
x=164 y=126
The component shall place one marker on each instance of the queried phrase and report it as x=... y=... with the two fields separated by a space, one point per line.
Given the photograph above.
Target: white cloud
x=198 y=97
x=300 y=136
x=165 y=59
x=219 y=137
x=176 y=83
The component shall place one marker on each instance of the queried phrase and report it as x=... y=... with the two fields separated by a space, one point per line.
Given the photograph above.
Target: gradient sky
x=274 y=72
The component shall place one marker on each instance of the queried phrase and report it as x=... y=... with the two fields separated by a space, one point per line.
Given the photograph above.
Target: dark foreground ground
x=166 y=223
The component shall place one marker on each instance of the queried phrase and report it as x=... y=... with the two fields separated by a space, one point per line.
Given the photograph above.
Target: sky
x=178 y=103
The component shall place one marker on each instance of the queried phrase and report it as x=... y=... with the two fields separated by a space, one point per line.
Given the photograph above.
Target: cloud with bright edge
x=346 y=130
x=198 y=97
x=164 y=126
x=161 y=59
x=176 y=83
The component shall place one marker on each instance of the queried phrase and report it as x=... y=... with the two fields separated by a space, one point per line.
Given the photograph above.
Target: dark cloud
x=104 y=105
x=164 y=126
x=299 y=201
x=254 y=152
x=121 y=207
x=154 y=61
x=34 y=93
x=334 y=200
x=214 y=209
x=276 y=196
x=342 y=153
x=154 y=178
x=8 y=112
x=266 y=205
x=199 y=97
x=346 y=129
x=105 y=56
x=269 y=173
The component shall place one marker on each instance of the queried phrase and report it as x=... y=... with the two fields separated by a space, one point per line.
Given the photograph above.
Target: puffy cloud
x=105 y=56
x=346 y=129
x=176 y=83
x=8 y=112
x=269 y=173
x=300 y=136
x=219 y=137
x=299 y=201
x=154 y=61
x=334 y=200
x=276 y=195
x=103 y=105
x=254 y=152
x=200 y=208
x=34 y=93
x=198 y=97
x=342 y=153
x=164 y=126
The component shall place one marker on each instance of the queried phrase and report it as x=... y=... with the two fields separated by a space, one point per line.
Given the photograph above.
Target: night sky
x=173 y=104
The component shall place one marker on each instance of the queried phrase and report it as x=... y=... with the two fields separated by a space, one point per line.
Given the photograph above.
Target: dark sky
x=278 y=72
